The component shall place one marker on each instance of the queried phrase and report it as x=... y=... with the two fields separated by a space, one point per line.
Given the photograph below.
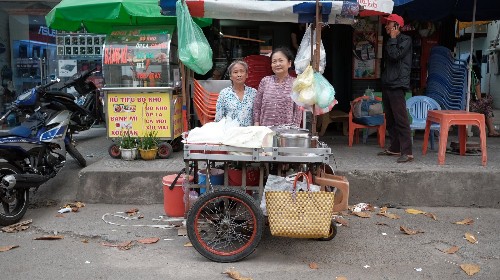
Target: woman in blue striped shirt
x=236 y=101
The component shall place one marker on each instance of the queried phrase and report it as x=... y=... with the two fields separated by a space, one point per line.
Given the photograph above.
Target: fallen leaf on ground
x=75 y=206
x=150 y=240
x=188 y=244
x=7 y=248
x=383 y=209
x=414 y=211
x=470 y=269
x=342 y=221
x=341 y=278
x=452 y=250
x=467 y=221
x=313 y=265
x=389 y=215
x=235 y=275
x=362 y=214
x=17 y=227
x=432 y=216
x=85 y=241
x=471 y=238
x=126 y=245
x=49 y=237
x=132 y=211
x=381 y=224
x=60 y=216
x=409 y=231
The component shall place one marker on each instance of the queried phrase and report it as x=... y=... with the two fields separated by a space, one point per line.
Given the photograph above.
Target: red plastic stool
x=447 y=118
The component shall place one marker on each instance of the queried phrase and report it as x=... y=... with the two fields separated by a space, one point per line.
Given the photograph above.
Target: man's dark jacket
x=397 y=59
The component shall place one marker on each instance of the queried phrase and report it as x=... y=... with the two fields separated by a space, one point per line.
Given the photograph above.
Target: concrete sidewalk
x=462 y=181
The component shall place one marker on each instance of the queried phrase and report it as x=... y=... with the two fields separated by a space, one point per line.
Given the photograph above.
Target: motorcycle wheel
x=164 y=150
x=114 y=151
x=74 y=153
x=13 y=208
x=225 y=225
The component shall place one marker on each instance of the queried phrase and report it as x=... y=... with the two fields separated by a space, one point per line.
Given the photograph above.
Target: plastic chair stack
x=447 y=79
x=259 y=66
x=204 y=103
x=418 y=106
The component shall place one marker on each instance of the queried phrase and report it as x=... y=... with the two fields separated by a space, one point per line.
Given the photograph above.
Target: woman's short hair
x=241 y=62
x=286 y=51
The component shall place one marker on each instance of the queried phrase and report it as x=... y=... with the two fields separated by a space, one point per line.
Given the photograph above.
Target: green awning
x=102 y=16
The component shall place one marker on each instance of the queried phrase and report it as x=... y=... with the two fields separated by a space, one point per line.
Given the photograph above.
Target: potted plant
x=128 y=146
x=148 y=145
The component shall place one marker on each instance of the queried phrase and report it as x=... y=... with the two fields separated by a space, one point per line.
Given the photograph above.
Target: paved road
x=368 y=248
x=362 y=250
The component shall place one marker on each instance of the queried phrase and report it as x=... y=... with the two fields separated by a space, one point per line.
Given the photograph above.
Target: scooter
x=31 y=154
x=85 y=110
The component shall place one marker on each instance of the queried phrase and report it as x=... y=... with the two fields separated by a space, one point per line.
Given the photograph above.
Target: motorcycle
x=85 y=110
x=32 y=153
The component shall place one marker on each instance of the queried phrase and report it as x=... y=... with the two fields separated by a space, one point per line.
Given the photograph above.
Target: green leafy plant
x=127 y=141
x=149 y=140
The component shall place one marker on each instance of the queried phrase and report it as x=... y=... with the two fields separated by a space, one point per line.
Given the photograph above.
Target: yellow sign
x=139 y=113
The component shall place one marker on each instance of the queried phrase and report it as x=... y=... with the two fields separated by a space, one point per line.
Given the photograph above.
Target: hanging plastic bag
x=325 y=93
x=194 y=50
x=303 y=80
x=303 y=93
x=303 y=58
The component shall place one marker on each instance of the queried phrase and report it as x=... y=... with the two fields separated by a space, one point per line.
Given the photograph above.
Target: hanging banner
x=338 y=12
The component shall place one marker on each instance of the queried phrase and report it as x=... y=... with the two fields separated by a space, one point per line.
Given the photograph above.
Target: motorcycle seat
x=21 y=131
x=61 y=94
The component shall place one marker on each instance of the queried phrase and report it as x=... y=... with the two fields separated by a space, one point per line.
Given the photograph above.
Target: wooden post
x=316 y=56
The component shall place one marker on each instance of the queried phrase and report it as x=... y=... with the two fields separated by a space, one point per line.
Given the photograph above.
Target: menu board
x=139 y=113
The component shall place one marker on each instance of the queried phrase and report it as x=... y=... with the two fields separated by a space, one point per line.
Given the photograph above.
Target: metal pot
x=294 y=138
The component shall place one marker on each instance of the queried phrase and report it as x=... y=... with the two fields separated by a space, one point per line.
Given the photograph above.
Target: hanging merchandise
x=303 y=58
x=303 y=88
x=194 y=50
x=325 y=93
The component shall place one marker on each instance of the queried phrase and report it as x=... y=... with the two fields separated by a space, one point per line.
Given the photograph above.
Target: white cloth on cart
x=228 y=132
x=249 y=137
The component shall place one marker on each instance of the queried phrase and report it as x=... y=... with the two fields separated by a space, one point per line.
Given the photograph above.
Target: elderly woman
x=273 y=104
x=236 y=101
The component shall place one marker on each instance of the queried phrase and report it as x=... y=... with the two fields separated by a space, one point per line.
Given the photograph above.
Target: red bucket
x=235 y=177
x=173 y=200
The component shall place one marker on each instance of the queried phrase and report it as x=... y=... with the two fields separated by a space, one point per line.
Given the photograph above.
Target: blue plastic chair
x=417 y=108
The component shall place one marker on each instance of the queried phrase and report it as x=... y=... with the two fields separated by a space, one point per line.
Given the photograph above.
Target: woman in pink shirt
x=273 y=104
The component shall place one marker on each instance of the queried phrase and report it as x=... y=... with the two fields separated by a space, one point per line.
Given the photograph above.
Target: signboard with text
x=142 y=112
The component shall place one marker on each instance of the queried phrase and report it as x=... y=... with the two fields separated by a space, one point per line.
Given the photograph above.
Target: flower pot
x=129 y=154
x=148 y=154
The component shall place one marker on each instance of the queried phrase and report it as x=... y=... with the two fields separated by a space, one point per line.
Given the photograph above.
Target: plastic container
x=173 y=200
x=216 y=177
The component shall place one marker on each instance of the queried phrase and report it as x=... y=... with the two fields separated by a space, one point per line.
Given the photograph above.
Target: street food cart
x=142 y=86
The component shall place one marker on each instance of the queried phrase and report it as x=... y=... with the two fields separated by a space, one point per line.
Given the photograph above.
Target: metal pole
x=316 y=58
x=469 y=76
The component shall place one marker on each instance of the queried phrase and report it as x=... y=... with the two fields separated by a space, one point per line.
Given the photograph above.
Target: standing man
x=395 y=82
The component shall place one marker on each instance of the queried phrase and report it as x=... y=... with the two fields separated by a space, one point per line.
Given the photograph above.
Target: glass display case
x=142 y=82
x=141 y=57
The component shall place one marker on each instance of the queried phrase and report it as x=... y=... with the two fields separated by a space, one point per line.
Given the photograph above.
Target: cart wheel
x=225 y=225
x=164 y=150
x=177 y=144
x=331 y=234
x=114 y=151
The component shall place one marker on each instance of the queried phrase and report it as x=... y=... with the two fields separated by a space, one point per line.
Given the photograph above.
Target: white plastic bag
x=303 y=93
x=303 y=58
